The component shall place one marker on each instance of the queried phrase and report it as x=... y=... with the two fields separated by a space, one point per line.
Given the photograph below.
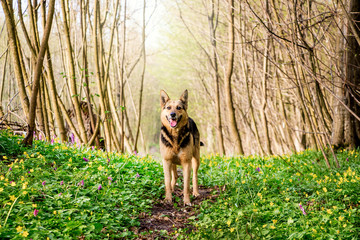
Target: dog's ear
x=184 y=98
x=164 y=98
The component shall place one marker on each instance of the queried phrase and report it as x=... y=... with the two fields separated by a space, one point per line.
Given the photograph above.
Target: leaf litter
x=165 y=219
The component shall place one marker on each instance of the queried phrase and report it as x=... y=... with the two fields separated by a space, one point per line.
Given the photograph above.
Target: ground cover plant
x=63 y=191
x=281 y=197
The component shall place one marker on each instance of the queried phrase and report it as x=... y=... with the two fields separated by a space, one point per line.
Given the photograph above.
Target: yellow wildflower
x=341 y=218
x=12 y=198
x=228 y=222
x=271 y=204
x=272 y=227
x=13 y=184
x=274 y=221
x=19 y=229
x=232 y=229
x=1 y=189
x=25 y=234
x=324 y=189
x=264 y=226
x=100 y=168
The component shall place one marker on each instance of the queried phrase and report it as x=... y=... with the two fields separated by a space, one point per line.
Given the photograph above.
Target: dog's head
x=173 y=112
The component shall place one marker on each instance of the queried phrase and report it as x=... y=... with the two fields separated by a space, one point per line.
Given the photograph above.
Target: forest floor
x=170 y=217
x=65 y=191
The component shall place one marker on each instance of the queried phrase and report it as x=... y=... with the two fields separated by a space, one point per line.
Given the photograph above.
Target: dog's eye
x=178 y=108
x=168 y=107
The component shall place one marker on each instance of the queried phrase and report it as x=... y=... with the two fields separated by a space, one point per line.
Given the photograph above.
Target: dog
x=179 y=145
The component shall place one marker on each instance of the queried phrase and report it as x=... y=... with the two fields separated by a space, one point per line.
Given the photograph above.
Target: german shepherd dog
x=179 y=145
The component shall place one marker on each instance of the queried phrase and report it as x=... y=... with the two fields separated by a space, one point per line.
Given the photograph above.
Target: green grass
x=260 y=200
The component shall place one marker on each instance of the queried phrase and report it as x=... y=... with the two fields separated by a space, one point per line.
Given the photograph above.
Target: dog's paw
x=168 y=201
x=187 y=201
x=196 y=194
x=187 y=204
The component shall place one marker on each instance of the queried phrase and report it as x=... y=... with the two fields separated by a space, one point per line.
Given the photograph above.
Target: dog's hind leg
x=195 y=162
x=174 y=177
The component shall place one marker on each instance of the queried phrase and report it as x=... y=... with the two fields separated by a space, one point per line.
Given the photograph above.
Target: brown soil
x=164 y=219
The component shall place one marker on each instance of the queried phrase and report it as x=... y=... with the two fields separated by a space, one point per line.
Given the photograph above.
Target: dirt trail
x=171 y=217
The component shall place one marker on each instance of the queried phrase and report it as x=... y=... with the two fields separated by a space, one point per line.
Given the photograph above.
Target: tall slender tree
x=235 y=134
x=37 y=74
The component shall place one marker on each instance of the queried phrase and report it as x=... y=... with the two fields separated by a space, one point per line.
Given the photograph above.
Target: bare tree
x=213 y=23
x=346 y=125
x=227 y=80
x=15 y=54
x=37 y=74
x=142 y=77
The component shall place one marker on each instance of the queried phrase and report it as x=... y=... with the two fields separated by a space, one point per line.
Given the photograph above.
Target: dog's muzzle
x=173 y=120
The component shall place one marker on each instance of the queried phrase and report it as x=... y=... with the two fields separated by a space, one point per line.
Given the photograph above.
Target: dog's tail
x=201 y=144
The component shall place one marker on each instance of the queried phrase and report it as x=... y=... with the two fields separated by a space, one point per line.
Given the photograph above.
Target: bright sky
x=156 y=19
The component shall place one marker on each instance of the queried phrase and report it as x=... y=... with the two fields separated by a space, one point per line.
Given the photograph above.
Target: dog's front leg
x=186 y=172
x=167 y=175
x=174 y=177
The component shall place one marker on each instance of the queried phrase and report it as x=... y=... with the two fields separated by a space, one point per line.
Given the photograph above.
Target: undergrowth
x=61 y=191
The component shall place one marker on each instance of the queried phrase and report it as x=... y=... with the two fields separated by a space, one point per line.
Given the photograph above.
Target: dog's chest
x=177 y=157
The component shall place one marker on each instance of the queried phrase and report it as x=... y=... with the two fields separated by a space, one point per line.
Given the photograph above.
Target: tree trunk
x=37 y=74
x=85 y=72
x=2 y=85
x=14 y=49
x=228 y=95
x=265 y=79
x=122 y=82
x=72 y=77
x=99 y=81
x=219 y=133
x=346 y=128
x=142 y=78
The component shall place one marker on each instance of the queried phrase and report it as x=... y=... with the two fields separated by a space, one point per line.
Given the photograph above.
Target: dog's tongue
x=173 y=123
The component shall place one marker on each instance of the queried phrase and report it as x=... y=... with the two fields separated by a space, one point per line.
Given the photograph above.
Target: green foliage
x=79 y=192
x=264 y=198
x=9 y=144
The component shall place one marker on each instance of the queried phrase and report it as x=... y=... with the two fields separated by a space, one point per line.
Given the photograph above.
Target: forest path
x=172 y=217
